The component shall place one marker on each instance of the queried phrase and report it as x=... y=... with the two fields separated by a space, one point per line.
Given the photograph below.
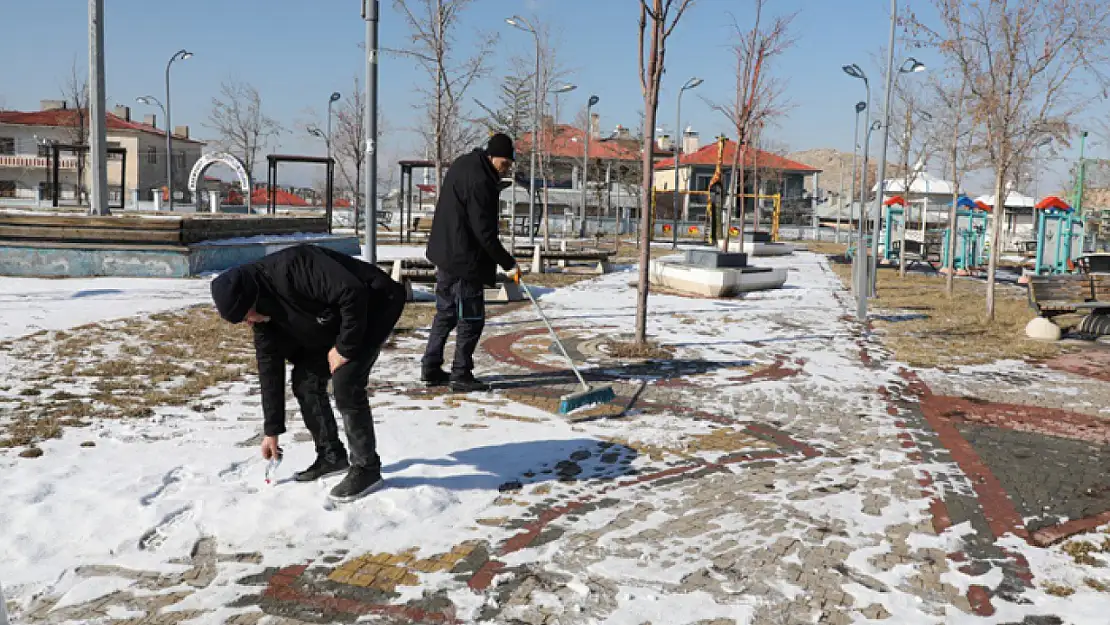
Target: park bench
x=917 y=253
x=1095 y=263
x=1064 y=294
x=409 y=271
x=599 y=259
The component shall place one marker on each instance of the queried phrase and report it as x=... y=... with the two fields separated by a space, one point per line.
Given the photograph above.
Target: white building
x=1017 y=226
x=26 y=166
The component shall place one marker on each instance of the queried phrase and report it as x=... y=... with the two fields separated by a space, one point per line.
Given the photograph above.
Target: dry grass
x=646 y=351
x=164 y=360
x=827 y=248
x=925 y=328
x=556 y=279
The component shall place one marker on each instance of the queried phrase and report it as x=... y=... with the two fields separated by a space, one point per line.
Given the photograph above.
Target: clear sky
x=296 y=52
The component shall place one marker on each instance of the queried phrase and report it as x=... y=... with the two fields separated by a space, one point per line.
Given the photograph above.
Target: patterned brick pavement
x=807 y=479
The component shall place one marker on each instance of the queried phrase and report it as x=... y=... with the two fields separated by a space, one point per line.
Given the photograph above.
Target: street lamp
x=909 y=66
x=860 y=107
x=855 y=71
x=519 y=22
x=560 y=90
x=334 y=98
x=180 y=54
x=690 y=84
x=586 y=161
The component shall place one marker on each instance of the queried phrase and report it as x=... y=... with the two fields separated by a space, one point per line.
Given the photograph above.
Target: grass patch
x=645 y=351
x=555 y=280
x=925 y=328
x=828 y=248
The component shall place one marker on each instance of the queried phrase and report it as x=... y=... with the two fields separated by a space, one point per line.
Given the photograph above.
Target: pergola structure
x=272 y=161
x=78 y=148
x=407 y=167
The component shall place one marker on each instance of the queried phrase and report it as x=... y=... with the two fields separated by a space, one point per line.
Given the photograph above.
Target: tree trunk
x=732 y=184
x=743 y=201
x=645 y=211
x=996 y=231
x=950 y=279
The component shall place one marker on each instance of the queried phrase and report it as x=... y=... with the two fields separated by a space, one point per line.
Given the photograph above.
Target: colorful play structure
x=895 y=218
x=971 y=235
x=1059 y=237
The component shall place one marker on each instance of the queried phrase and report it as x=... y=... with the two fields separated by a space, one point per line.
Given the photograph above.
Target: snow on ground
x=28 y=305
x=150 y=488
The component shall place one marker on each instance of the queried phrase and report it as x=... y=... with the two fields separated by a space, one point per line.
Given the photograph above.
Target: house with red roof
x=769 y=173
x=26 y=165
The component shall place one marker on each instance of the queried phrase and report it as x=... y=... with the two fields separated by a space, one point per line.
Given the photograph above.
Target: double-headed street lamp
x=180 y=54
x=860 y=107
x=690 y=84
x=521 y=23
x=855 y=71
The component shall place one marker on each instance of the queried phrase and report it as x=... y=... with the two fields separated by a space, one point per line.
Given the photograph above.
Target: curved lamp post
x=855 y=71
x=690 y=84
x=519 y=22
x=586 y=160
x=334 y=98
x=180 y=54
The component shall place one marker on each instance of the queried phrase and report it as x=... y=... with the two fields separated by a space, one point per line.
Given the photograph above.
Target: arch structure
x=207 y=160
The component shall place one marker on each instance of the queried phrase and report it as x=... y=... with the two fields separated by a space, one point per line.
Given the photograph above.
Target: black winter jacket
x=464 y=241
x=316 y=299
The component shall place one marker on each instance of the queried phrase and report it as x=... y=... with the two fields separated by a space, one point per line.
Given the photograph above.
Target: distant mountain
x=831 y=162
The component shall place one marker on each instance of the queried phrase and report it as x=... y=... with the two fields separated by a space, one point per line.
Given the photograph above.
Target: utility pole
x=98 y=139
x=370 y=15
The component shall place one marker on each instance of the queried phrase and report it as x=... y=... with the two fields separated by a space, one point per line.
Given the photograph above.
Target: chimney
x=51 y=105
x=181 y=132
x=663 y=142
x=151 y=120
x=595 y=125
x=623 y=133
x=123 y=112
x=548 y=122
x=689 y=141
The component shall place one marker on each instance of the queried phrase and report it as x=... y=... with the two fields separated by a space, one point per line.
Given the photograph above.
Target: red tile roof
x=562 y=141
x=69 y=117
x=751 y=157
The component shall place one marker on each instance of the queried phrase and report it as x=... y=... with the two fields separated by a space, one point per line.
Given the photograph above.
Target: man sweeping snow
x=466 y=250
x=327 y=314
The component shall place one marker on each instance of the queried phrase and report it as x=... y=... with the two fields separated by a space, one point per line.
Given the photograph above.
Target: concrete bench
x=599 y=259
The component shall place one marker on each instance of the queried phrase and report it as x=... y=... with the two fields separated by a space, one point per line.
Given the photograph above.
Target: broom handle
x=555 y=336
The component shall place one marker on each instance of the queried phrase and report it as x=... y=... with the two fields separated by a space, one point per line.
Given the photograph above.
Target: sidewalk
x=776 y=469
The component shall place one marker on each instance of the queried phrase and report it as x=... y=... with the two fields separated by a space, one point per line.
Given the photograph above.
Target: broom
x=588 y=395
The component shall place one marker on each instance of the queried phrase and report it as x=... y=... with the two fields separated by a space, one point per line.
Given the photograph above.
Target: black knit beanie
x=234 y=292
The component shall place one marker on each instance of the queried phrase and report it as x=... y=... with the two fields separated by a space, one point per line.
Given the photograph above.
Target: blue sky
x=296 y=52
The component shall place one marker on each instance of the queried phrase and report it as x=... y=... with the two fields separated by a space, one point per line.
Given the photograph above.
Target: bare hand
x=270 y=449
x=335 y=361
x=514 y=274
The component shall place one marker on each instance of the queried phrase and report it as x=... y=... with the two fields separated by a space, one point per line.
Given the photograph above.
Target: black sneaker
x=323 y=467
x=468 y=384
x=434 y=377
x=360 y=481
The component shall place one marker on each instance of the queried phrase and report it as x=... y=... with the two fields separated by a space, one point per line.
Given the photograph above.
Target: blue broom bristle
x=575 y=401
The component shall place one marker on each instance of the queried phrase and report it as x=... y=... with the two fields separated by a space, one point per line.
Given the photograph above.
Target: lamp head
x=519 y=22
x=692 y=83
x=334 y=97
x=912 y=66
x=593 y=100
x=854 y=71
x=143 y=100
x=861 y=106
x=185 y=54
x=566 y=88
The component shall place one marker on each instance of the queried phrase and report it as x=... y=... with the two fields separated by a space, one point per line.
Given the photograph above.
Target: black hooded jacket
x=464 y=241
x=316 y=299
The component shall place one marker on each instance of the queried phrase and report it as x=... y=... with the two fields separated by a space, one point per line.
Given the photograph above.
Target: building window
x=44 y=150
x=180 y=157
x=152 y=156
x=7 y=188
x=7 y=145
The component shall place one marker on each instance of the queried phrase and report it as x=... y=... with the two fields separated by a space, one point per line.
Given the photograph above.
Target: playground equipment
x=895 y=216
x=971 y=235
x=1059 y=237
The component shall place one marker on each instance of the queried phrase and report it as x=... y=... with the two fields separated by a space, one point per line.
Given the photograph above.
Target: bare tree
x=348 y=144
x=1023 y=61
x=433 y=25
x=914 y=140
x=959 y=161
x=756 y=97
x=513 y=108
x=658 y=19
x=243 y=128
x=75 y=93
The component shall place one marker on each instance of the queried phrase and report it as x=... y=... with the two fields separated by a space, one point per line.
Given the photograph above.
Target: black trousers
x=459 y=304
x=310 y=387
